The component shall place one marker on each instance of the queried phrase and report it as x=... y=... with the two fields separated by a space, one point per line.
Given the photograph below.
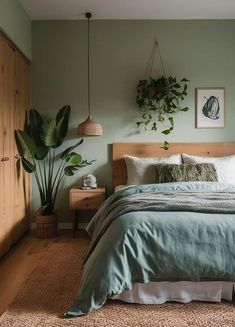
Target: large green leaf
x=64 y=111
x=75 y=159
x=41 y=152
x=35 y=130
x=27 y=144
x=49 y=133
x=70 y=170
x=35 y=120
x=70 y=148
x=62 y=121
x=28 y=166
x=41 y=149
x=35 y=125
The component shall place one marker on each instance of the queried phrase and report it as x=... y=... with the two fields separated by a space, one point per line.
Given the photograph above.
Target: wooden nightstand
x=85 y=200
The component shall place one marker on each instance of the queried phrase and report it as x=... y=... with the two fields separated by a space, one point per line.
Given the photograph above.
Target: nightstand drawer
x=81 y=199
x=90 y=201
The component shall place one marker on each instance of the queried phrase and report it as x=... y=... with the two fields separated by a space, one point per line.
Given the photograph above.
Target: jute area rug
x=52 y=287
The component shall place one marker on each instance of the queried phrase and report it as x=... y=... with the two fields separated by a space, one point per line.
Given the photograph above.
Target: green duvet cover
x=157 y=245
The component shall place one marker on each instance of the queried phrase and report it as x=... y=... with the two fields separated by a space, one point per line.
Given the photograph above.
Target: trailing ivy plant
x=159 y=99
x=37 y=146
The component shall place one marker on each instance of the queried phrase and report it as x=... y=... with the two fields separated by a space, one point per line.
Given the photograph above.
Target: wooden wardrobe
x=14 y=182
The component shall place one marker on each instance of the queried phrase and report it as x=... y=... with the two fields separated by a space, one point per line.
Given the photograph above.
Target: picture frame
x=210 y=107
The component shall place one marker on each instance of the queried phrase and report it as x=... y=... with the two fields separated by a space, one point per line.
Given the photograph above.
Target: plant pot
x=46 y=226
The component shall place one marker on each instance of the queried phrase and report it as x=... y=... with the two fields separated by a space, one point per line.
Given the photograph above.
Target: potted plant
x=37 y=146
x=159 y=99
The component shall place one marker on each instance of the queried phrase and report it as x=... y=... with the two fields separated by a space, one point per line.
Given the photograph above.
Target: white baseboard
x=64 y=226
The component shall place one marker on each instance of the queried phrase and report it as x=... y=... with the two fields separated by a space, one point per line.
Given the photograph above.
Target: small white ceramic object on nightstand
x=89 y=181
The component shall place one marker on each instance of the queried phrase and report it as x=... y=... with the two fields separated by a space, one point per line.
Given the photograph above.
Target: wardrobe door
x=8 y=102
x=22 y=181
x=2 y=233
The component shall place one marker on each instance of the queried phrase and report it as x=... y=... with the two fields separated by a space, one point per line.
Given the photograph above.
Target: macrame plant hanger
x=156 y=48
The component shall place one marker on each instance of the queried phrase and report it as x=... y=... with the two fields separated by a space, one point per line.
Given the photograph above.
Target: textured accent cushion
x=225 y=166
x=142 y=170
x=186 y=173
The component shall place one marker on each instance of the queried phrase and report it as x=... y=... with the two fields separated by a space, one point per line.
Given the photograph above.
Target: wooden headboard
x=148 y=150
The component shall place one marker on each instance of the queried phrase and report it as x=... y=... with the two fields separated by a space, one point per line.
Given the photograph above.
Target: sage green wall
x=15 y=23
x=202 y=51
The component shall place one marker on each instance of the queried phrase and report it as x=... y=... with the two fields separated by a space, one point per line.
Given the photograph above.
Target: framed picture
x=210 y=107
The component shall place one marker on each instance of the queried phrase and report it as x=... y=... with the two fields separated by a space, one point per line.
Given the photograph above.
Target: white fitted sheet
x=161 y=292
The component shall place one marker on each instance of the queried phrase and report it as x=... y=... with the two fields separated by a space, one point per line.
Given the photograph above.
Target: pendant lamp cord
x=88 y=63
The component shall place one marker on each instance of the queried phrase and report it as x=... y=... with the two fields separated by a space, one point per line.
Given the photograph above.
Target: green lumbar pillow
x=205 y=172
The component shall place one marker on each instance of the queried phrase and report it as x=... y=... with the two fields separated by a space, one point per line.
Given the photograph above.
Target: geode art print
x=210 y=107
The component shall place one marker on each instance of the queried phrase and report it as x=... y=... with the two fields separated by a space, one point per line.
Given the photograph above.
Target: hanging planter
x=160 y=99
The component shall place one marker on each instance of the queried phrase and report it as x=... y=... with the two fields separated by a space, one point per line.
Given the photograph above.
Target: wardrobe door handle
x=17 y=156
x=2 y=159
x=6 y=158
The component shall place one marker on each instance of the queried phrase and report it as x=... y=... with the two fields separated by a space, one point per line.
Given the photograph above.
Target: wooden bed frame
x=148 y=150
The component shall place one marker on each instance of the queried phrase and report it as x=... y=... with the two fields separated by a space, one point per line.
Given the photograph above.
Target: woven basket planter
x=46 y=226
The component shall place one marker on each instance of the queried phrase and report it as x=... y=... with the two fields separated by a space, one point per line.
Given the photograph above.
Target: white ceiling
x=130 y=9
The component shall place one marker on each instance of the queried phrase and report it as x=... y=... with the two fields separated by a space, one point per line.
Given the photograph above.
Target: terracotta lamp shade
x=89 y=127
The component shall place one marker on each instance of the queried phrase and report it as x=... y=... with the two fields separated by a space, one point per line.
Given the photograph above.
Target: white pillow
x=225 y=166
x=142 y=170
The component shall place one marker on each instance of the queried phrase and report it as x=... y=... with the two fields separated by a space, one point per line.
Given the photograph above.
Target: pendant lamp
x=89 y=127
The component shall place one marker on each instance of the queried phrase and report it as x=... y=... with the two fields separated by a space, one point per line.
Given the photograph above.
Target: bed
x=142 y=254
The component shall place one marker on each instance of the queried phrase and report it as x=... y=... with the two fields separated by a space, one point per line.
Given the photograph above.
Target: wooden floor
x=20 y=261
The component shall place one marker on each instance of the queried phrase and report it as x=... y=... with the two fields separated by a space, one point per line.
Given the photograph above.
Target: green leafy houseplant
x=159 y=99
x=37 y=146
